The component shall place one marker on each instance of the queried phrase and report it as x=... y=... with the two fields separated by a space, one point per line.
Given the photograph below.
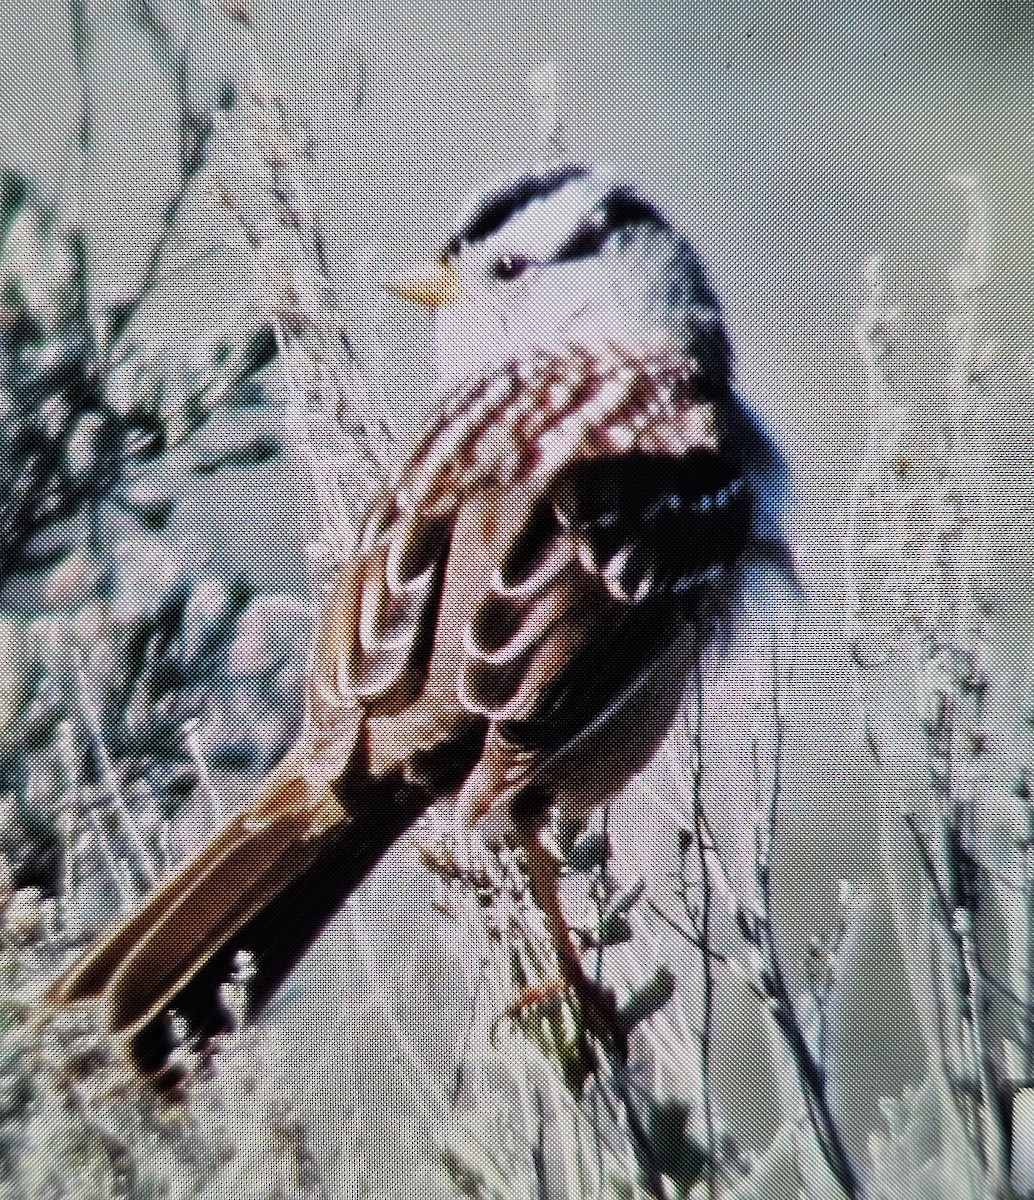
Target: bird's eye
x=509 y=266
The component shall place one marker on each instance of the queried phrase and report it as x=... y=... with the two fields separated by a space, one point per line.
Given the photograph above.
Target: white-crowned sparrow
x=516 y=625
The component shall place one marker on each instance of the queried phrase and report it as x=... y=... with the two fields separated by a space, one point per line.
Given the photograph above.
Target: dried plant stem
x=328 y=393
x=700 y=839
x=810 y=1072
x=81 y=36
x=435 y=1102
x=925 y=539
x=871 y=530
x=1026 y=1000
x=141 y=864
x=79 y=151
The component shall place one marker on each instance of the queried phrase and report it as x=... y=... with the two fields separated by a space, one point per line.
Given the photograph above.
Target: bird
x=515 y=628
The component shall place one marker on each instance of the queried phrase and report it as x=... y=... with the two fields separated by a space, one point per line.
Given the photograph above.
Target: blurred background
x=792 y=143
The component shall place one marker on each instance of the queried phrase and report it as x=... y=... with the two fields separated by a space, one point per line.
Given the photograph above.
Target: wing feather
x=612 y=564
x=380 y=628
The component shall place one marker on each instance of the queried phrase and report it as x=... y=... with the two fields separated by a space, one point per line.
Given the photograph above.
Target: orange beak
x=431 y=285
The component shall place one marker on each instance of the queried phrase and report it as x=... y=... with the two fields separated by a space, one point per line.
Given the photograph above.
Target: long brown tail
x=267 y=883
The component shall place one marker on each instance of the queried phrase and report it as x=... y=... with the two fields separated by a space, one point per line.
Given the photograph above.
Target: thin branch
x=76 y=174
x=925 y=535
x=82 y=45
x=194 y=134
x=647 y=1160
x=1023 y=791
x=600 y=887
x=717 y=956
x=707 y=969
x=809 y=1071
x=468 y=1034
x=990 y=1113
x=432 y=1097
x=144 y=868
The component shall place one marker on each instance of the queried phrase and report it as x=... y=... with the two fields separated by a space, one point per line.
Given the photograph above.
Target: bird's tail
x=267 y=883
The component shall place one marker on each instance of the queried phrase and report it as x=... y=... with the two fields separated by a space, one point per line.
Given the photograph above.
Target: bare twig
x=330 y=409
x=551 y=140
x=1023 y=790
x=77 y=181
x=432 y=1098
x=809 y=1070
x=694 y=940
x=194 y=131
x=82 y=45
x=704 y=925
x=925 y=540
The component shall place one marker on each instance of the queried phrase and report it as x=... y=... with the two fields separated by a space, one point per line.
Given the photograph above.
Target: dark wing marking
x=654 y=522
x=619 y=555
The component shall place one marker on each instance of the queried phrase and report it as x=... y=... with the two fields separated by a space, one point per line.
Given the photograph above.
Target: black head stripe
x=493 y=211
x=622 y=207
x=586 y=239
x=617 y=209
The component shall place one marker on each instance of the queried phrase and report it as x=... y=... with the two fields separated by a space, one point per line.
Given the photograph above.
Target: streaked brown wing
x=615 y=560
x=530 y=563
x=377 y=636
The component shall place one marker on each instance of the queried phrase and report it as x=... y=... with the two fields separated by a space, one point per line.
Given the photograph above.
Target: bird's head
x=562 y=256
